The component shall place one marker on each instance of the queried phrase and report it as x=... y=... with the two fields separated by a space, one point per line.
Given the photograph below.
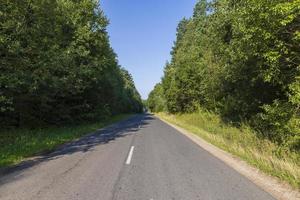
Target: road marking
x=129 y=156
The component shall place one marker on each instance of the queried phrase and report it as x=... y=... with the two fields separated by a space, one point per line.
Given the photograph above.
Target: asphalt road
x=138 y=159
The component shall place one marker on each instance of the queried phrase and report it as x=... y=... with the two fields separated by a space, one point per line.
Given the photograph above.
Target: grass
x=242 y=142
x=18 y=144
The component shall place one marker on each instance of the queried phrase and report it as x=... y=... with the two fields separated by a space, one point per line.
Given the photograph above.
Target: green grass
x=242 y=142
x=18 y=144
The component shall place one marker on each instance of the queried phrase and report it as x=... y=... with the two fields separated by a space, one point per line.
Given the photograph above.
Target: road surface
x=141 y=158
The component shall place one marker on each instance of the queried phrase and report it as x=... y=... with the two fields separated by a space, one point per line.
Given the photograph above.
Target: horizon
x=142 y=35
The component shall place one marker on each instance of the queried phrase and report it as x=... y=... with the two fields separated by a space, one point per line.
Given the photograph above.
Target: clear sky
x=142 y=33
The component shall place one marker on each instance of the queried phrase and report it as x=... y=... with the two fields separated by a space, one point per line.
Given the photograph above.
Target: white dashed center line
x=129 y=156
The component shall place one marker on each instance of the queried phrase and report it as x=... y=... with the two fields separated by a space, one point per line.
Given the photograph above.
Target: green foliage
x=156 y=101
x=18 y=144
x=240 y=59
x=131 y=99
x=57 y=65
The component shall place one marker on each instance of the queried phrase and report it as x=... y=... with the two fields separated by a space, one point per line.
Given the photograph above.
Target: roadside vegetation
x=239 y=61
x=242 y=142
x=18 y=144
x=57 y=65
x=59 y=76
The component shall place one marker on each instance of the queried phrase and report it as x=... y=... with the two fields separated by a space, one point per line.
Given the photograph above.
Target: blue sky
x=142 y=33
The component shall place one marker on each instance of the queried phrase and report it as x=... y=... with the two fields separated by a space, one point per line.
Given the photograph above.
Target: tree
x=156 y=101
x=241 y=60
x=57 y=65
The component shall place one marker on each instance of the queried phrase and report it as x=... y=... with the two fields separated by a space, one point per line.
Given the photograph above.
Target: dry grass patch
x=242 y=142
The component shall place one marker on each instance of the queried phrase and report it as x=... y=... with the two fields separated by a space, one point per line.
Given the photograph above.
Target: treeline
x=57 y=66
x=240 y=59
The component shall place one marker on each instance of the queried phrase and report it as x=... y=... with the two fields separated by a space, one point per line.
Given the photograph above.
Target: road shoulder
x=270 y=184
x=41 y=155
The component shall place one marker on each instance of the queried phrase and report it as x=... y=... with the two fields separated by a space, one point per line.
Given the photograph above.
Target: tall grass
x=18 y=144
x=242 y=142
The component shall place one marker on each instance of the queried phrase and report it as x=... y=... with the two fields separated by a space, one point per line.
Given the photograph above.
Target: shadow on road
x=85 y=144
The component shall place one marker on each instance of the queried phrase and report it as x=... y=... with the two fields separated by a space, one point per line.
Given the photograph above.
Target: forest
x=241 y=61
x=233 y=80
x=57 y=65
